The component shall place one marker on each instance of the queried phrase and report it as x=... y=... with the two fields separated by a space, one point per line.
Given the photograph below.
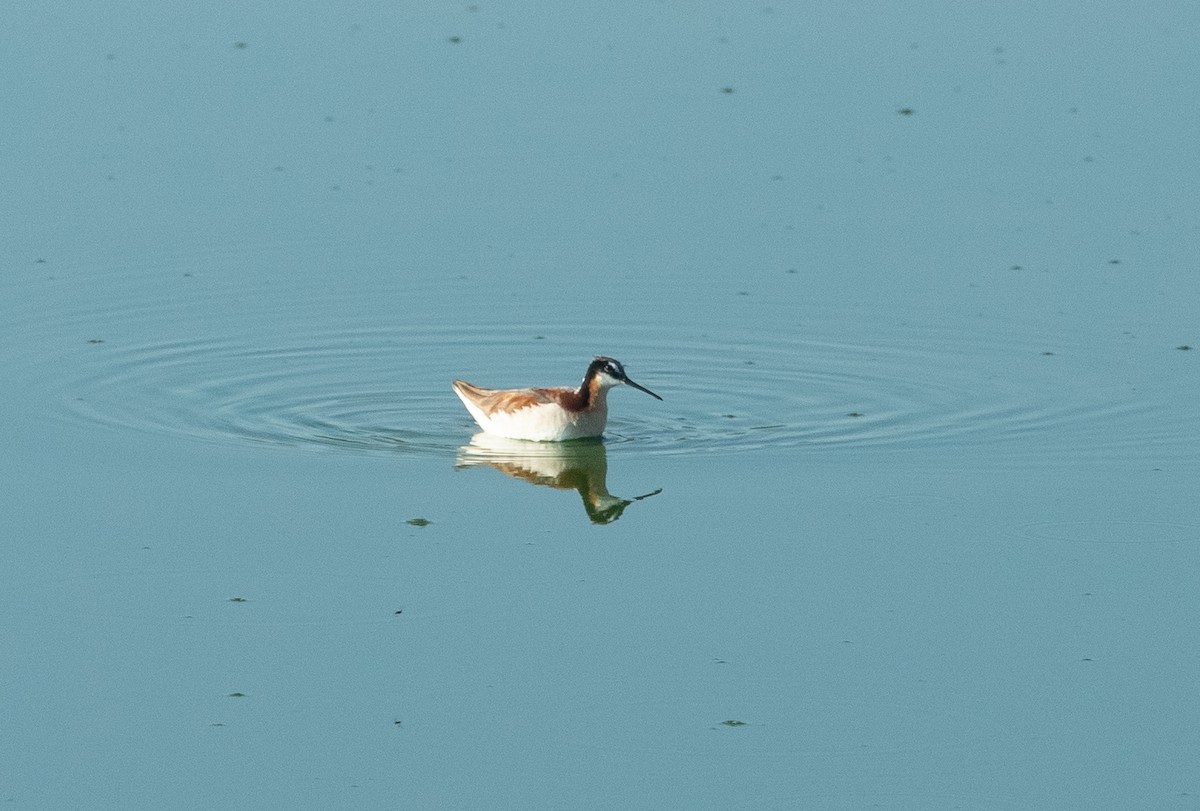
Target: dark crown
x=609 y=366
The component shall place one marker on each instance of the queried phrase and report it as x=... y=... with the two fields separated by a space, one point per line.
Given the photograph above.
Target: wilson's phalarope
x=548 y=415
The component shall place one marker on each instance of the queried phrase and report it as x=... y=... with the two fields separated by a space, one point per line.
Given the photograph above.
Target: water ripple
x=386 y=390
x=205 y=351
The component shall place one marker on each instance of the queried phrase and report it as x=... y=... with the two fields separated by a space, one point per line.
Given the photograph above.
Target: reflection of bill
x=580 y=465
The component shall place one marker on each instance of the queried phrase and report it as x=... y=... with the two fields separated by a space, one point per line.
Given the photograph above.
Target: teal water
x=913 y=527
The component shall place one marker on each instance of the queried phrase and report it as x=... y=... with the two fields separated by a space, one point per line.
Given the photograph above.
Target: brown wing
x=492 y=401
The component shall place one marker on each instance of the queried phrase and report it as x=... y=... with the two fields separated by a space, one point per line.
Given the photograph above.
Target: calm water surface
x=913 y=527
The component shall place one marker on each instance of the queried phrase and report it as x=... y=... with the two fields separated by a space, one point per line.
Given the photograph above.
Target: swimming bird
x=550 y=414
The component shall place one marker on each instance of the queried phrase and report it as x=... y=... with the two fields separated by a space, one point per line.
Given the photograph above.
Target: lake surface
x=914 y=526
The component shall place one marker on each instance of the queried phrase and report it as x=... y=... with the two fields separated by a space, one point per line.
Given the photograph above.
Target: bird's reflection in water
x=580 y=465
